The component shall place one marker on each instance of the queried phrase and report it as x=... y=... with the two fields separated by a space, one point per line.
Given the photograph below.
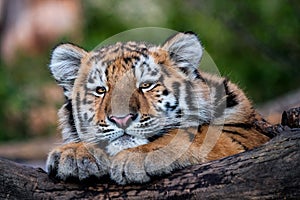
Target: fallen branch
x=270 y=171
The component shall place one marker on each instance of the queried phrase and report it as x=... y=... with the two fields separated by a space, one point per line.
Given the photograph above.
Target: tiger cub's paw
x=128 y=167
x=137 y=167
x=77 y=160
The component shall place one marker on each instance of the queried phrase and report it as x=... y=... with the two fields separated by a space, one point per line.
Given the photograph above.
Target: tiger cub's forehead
x=122 y=58
x=130 y=49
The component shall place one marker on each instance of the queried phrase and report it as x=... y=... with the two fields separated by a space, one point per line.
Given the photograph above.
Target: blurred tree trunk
x=30 y=26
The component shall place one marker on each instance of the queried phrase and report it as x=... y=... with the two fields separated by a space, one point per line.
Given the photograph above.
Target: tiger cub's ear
x=64 y=65
x=185 y=49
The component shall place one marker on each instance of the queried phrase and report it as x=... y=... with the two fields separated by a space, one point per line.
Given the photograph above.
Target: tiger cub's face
x=128 y=94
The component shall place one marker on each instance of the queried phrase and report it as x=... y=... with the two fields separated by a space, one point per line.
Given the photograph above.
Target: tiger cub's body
x=134 y=110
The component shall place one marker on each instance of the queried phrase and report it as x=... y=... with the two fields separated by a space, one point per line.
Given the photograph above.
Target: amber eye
x=100 y=90
x=145 y=85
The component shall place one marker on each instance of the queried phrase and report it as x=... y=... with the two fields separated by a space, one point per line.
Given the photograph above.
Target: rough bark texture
x=268 y=172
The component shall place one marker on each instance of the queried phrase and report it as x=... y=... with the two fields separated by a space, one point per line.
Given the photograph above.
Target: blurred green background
x=254 y=43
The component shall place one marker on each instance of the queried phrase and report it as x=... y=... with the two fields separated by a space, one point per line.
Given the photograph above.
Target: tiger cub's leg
x=180 y=148
x=156 y=158
x=77 y=160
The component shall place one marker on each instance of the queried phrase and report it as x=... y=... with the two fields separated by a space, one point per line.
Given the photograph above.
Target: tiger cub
x=134 y=110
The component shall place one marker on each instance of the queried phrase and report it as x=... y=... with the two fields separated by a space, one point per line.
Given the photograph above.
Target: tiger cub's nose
x=124 y=121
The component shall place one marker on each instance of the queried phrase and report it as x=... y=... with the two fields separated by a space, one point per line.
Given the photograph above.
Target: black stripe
x=127 y=60
x=106 y=73
x=219 y=99
x=238 y=142
x=154 y=72
x=115 y=50
x=155 y=137
x=234 y=133
x=179 y=113
x=224 y=98
x=190 y=96
x=91 y=119
x=197 y=75
x=176 y=88
x=239 y=125
x=145 y=119
x=70 y=117
x=173 y=107
x=107 y=130
x=185 y=70
x=85 y=116
x=231 y=99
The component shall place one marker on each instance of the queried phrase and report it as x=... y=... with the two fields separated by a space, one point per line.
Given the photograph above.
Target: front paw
x=77 y=160
x=128 y=167
x=162 y=161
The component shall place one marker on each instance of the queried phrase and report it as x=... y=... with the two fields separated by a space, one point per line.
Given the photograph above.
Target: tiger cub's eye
x=145 y=85
x=100 y=90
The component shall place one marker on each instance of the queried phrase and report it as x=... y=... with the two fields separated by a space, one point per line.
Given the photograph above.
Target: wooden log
x=270 y=171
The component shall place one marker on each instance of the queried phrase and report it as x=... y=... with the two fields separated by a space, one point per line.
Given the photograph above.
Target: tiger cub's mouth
x=123 y=138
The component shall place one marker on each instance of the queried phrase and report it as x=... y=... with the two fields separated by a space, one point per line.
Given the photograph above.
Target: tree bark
x=268 y=172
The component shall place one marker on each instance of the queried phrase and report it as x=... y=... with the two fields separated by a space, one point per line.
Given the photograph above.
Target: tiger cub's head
x=127 y=94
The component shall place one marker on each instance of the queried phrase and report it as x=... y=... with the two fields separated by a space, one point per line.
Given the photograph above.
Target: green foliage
x=255 y=43
x=19 y=88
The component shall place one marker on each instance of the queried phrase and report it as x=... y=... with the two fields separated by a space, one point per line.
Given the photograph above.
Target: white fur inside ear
x=185 y=49
x=64 y=65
